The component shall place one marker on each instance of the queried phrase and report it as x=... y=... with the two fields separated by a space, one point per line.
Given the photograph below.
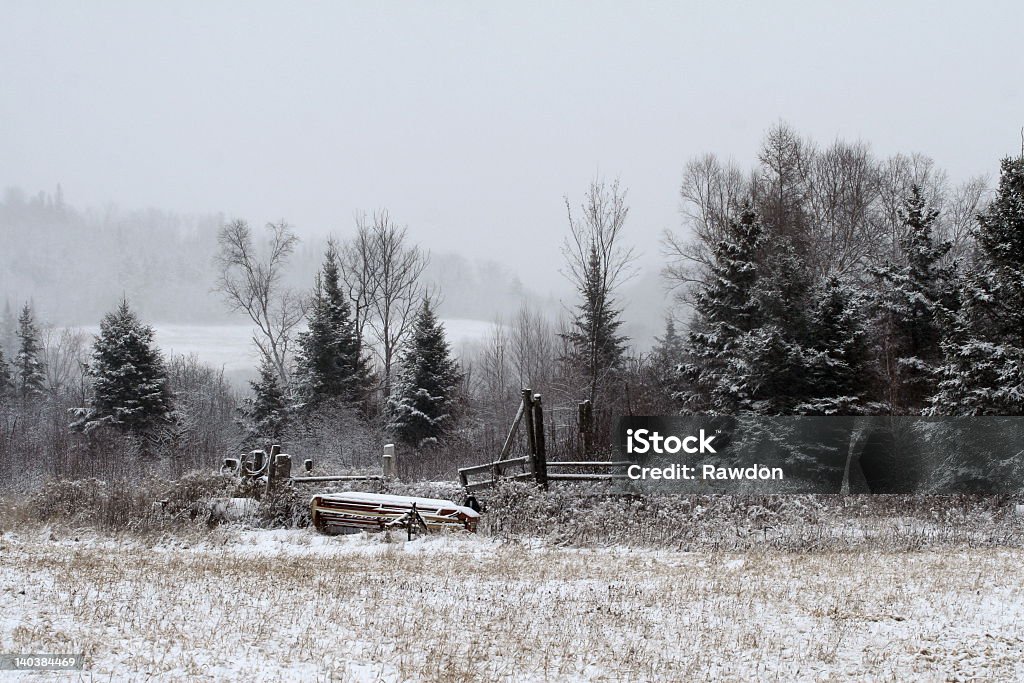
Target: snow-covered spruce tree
x=129 y=377
x=595 y=346
x=266 y=413
x=838 y=359
x=29 y=368
x=329 y=367
x=768 y=371
x=983 y=367
x=422 y=404
x=724 y=310
x=912 y=302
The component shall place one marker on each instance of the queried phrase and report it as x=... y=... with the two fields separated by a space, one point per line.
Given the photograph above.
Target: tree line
x=823 y=281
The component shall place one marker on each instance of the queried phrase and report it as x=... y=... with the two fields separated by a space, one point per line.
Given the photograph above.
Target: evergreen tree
x=267 y=411
x=423 y=404
x=983 y=368
x=912 y=302
x=724 y=311
x=129 y=377
x=329 y=366
x=30 y=376
x=595 y=347
x=838 y=357
x=669 y=349
x=767 y=372
x=666 y=359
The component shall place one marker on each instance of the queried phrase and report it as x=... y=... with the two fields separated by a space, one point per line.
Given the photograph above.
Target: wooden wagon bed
x=353 y=510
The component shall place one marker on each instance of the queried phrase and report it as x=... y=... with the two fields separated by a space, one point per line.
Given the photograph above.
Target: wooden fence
x=535 y=466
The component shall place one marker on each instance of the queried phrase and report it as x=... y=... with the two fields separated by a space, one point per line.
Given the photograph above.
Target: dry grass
x=290 y=605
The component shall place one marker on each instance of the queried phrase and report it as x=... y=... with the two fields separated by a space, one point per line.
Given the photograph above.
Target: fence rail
x=531 y=415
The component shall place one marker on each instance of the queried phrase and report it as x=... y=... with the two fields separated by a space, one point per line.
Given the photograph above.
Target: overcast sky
x=470 y=121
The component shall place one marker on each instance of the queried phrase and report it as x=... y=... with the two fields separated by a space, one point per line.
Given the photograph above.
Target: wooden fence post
x=278 y=470
x=531 y=434
x=540 y=457
x=389 y=466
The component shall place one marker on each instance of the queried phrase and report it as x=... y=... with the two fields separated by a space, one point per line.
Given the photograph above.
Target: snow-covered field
x=290 y=605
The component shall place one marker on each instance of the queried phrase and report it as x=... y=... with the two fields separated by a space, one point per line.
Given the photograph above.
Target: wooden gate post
x=531 y=434
x=540 y=457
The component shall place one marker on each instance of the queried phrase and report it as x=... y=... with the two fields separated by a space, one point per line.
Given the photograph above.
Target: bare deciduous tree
x=533 y=350
x=250 y=280
x=357 y=259
x=382 y=273
x=65 y=355
x=709 y=194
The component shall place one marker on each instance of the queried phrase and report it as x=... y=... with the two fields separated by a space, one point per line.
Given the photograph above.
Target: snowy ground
x=292 y=605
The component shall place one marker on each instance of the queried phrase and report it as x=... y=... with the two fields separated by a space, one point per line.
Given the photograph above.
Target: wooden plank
x=511 y=433
x=475 y=469
x=504 y=464
x=489 y=467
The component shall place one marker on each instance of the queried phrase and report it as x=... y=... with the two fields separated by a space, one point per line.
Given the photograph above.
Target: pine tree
x=912 y=303
x=423 y=404
x=30 y=376
x=329 y=367
x=724 y=311
x=983 y=367
x=129 y=376
x=267 y=411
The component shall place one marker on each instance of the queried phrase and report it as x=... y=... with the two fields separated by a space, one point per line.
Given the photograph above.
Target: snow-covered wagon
x=352 y=511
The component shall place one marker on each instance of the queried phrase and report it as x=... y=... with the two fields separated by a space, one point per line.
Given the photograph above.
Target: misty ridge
x=76 y=263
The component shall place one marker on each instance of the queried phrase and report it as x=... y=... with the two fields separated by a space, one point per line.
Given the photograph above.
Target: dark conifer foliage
x=912 y=303
x=840 y=368
x=423 y=405
x=266 y=413
x=983 y=369
x=129 y=377
x=594 y=342
x=724 y=310
x=329 y=367
x=29 y=367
